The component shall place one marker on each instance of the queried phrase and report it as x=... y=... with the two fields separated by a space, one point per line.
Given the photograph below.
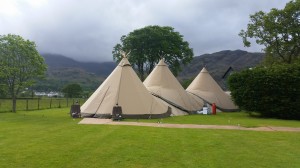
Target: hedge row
x=272 y=91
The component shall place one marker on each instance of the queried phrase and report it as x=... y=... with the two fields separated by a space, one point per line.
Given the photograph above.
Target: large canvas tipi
x=205 y=87
x=163 y=84
x=123 y=88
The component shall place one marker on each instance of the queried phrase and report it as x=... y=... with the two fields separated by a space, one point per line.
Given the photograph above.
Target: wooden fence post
x=50 y=103
x=26 y=104
x=38 y=103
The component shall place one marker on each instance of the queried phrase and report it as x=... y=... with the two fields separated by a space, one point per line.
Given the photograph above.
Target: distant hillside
x=218 y=63
x=63 y=70
x=55 y=61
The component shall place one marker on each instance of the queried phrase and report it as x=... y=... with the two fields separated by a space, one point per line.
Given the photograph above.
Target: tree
x=3 y=89
x=151 y=43
x=272 y=91
x=72 y=90
x=20 y=64
x=278 y=31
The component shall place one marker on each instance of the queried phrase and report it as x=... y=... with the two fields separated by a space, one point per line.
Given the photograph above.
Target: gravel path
x=165 y=125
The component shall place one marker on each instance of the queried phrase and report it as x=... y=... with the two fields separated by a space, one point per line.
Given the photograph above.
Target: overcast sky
x=87 y=30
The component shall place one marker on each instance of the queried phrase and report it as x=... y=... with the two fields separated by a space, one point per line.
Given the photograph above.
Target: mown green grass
x=50 y=138
x=224 y=118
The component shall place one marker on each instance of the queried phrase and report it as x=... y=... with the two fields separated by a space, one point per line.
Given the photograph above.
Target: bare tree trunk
x=151 y=67
x=14 y=103
x=141 y=71
x=13 y=97
x=142 y=76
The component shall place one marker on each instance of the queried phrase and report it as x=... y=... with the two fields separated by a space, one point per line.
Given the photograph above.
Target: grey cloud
x=88 y=30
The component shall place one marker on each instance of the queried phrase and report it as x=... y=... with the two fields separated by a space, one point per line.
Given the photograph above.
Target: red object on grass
x=214 y=109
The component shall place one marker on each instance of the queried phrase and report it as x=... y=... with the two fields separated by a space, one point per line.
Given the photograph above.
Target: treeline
x=273 y=89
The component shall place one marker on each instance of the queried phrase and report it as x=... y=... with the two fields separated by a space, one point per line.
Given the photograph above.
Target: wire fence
x=27 y=104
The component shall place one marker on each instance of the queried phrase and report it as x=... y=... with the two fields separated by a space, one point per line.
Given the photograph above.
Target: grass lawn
x=50 y=138
x=38 y=103
x=234 y=118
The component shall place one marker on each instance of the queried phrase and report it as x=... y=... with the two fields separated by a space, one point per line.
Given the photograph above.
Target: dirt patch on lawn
x=165 y=125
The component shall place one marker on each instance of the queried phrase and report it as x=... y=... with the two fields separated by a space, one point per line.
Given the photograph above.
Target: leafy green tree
x=20 y=64
x=272 y=91
x=151 y=43
x=278 y=31
x=3 y=88
x=186 y=82
x=72 y=90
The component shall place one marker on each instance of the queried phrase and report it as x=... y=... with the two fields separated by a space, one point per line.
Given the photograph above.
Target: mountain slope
x=63 y=70
x=55 y=61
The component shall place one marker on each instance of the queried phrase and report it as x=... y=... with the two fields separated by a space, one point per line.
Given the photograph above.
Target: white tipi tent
x=123 y=88
x=205 y=87
x=163 y=84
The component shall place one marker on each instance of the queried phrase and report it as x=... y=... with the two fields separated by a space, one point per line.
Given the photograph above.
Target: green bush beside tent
x=271 y=91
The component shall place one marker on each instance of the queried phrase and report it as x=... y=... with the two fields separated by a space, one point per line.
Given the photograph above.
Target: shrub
x=271 y=91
